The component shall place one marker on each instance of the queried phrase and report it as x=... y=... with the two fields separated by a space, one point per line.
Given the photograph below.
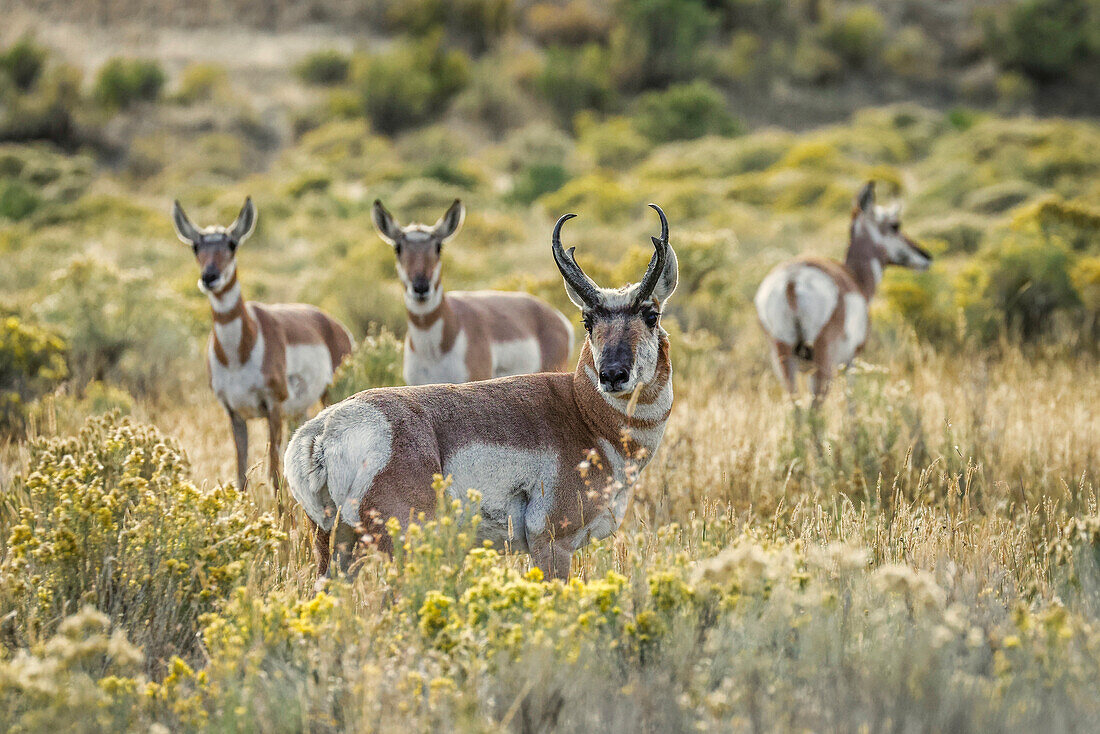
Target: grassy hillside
x=920 y=555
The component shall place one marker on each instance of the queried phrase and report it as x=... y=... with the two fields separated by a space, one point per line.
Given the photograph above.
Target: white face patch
x=655 y=411
x=227 y=300
x=884 y=230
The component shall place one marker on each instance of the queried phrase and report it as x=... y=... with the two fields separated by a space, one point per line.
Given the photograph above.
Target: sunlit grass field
x=919 y=555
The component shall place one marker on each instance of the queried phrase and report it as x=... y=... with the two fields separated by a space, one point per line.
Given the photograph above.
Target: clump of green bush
x=475 y=23
x=1045 y=39
x=409 y=84
x=573 y=80
x=121 y=83
x=855 y=34
x=110 y=518
x=658 y=41
x=376 y=362
x=201 y=82
x=684 y=112
x=23 y=62
x=327 y=67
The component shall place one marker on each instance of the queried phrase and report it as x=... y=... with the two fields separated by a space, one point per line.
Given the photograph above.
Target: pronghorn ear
x=670 y=276
x=575 y=297
x=866 y=199
x=244 y=223
x=449 y=223
x=388 y=228
x=187 y=232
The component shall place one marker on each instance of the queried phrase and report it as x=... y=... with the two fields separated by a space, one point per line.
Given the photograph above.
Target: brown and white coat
x=265 y=361
x=459 y=336
x=816 y=311
x=519 y=440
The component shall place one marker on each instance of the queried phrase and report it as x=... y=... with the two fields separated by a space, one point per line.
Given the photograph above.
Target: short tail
x=306 y=474
x=801 y=349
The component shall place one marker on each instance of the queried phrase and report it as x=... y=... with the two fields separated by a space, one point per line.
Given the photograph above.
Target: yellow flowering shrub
x=110 y=518
x=85 y=678
x=32 y=360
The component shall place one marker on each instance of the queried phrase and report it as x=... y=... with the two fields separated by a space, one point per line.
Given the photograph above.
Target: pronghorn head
x=215 y=247
x=417 y=247
x=882 y=225
x=624 y=324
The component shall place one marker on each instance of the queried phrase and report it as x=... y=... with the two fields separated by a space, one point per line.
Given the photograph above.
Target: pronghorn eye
x=895 y=226
x=194 y=248
x=651 y=318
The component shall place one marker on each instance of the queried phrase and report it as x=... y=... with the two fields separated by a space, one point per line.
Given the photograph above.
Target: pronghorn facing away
x=265 y=361
x=463 y=336
x=519 y=440
x=815 y=311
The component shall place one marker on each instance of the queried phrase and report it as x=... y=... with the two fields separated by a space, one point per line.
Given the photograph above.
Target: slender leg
x=274 y=451
x=822 y=376
x=320 y=549
x=240 y=441
x=553 y=557
x=785 y=366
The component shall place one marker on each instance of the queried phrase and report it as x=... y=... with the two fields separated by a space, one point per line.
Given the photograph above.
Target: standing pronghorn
x=815 y=311
x=519 y=440
x=463 y=336
x=264 y=361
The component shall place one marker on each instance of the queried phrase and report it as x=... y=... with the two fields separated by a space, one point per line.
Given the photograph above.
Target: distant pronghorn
x=815 y=310
x=464 y=336
x=264 y=360
x=519 y=440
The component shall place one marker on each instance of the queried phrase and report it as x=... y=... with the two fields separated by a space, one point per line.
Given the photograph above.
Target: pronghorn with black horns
x=464 y=336
x=816 y=311
x=265 y=360
x=520 y=440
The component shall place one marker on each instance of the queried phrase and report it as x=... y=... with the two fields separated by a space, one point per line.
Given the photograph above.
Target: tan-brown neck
x=863 y=259
x=227 y=307
x=606 y=416
x=428 y=325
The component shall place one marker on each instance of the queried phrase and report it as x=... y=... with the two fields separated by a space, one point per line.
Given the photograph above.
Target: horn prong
x=656 y=262
x=574 y=277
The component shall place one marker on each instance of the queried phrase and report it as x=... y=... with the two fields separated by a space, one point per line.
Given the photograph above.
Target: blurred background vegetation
x=751 y=121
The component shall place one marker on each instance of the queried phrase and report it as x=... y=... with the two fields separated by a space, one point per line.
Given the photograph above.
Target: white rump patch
x=816 y=295
x=333 y=459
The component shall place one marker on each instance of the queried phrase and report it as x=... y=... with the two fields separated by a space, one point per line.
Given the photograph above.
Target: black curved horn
x=656 y=263
x=574 y=277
